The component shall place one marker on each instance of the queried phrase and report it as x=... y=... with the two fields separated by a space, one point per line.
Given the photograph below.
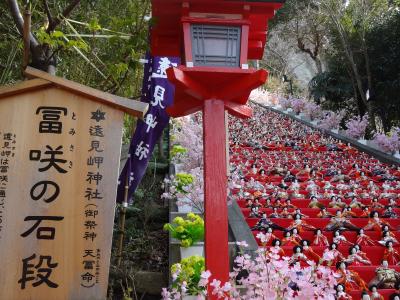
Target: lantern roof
x=167 y=33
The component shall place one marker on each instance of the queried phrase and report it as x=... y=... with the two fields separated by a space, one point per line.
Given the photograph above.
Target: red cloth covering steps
x=314 y=155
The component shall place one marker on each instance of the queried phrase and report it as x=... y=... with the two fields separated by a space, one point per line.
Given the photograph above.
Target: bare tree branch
x=67 y=11
x=19 y=21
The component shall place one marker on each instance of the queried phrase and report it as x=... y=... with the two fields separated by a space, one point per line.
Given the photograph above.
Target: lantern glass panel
x=216 y=45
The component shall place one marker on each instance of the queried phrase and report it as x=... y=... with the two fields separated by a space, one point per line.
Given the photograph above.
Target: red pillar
x=215 y=190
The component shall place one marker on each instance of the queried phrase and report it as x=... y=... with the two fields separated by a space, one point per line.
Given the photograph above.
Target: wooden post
x=122 y=217
x=26 y=35
x=215 y=191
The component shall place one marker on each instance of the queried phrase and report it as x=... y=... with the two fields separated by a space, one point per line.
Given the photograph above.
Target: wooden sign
x=59 y=162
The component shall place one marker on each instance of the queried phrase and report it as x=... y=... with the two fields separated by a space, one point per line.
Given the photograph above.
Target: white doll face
x=340 y=288
x=353 y=251
x=298 y=250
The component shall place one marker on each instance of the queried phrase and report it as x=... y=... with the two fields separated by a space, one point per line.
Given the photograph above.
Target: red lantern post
x=215 y=40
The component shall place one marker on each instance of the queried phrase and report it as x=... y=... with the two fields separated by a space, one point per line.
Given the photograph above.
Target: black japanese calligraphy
x=43 y=186
x=42 y=233
x=51 y=117
x=96 y=131
x=39 y=273
x=52 y=160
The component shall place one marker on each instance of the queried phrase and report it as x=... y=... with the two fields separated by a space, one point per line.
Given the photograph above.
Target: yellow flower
x=179 y=220
x=180 y=229
x=191 y=215
x=185 y=243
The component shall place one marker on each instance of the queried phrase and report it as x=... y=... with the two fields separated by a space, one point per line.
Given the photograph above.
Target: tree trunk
x=350 y=57
x=318 y=64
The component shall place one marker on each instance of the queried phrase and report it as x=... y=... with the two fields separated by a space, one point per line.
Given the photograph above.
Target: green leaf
x=94 y=25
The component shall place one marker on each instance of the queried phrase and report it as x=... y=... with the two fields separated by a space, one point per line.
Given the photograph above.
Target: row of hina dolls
x=281 y=209
x=385 y=278
x=338 y=222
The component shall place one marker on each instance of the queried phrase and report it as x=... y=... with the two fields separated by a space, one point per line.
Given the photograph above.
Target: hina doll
x=332 y=255
x=360 y=253
x=289 y=204
x=374 y=295
x=347 y=213
x=274 y=213
x=298 y=255
x=334 y=203
x=285 y=213
x=350 y=279
x=314 y=203
x=298 y=211
x=268 y=203
x=390 y=254
x=289 y=240
x=375 y=204
x=389 y=213
x=363 y=239
x=319 y=239
x=375 y=223
x=309 y=252
x=254 y=212
x=340 y=222
x=340 y=239
x=385 y=277
x=354 y=259
x=355 y=203
x=269 y=235
x=249 y=203
x=276 y=245
x=324 y=213
x=341 y=293
x=296 y=236
x=300 y=224
x=257 y=203
x=264 y=223
x=388 y=236
x=365 y=212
